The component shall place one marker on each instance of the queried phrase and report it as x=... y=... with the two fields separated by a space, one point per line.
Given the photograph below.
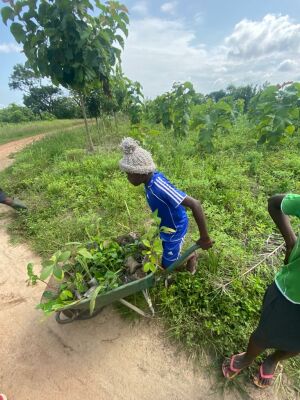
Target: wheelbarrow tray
x=113 y=295
x=103 y=299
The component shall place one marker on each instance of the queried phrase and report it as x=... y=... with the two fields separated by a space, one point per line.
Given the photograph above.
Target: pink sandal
x=228 y=369
x=261 y=375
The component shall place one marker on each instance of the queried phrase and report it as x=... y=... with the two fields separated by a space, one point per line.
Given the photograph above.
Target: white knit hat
x=136 y=160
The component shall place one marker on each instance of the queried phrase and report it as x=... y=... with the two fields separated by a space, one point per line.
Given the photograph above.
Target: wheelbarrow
x=81 y=310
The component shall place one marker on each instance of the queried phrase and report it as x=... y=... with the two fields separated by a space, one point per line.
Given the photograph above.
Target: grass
x=9 y=132
x=73 y=195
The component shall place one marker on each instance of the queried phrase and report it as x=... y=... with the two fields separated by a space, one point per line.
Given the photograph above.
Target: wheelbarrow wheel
x=70 y=315
x=86 y=314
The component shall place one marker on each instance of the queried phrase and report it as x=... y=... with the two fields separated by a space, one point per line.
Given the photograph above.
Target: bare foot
x=191 y=264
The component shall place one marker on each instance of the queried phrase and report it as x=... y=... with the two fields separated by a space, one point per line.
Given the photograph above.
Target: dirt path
x=106 y=358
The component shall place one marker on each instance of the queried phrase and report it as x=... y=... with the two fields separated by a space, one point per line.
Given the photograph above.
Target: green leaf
x=157 y=246
x=85 y=253
x=7 y=13
x=120 y=40
x=64 y=256
x=146 y=243
x=93 y=298
x=290 y=129
x=165 y=229
x=58 y=273
x=32 y=278
x=46 y=271
x=147 y=266
x=17 y=30
x=66 y=295
x=49 y=295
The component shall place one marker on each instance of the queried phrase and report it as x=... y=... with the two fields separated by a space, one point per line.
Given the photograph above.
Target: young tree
x=64 y=42
x=23 y=78
x=41 y=99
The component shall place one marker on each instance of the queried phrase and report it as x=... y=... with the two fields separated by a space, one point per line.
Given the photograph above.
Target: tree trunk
x=116 y=122
x=98 y=129
x=103 y=124
x=89 y=142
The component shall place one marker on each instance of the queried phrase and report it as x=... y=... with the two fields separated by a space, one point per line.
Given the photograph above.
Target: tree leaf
x=58 y=272
x=64 y=256
x=146 y=243
x=49 y=295
x=120 y=40
x=46 y=271
x=85 y=253
x=147 y=266
x=17 y=30
x=165 y=229
x=66 y=295
x=6 y=14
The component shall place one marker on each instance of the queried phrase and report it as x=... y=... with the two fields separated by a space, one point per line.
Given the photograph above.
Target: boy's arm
x=282 y=222
x=204 y=241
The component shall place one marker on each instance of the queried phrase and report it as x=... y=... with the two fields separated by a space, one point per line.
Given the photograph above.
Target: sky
x=212 y=43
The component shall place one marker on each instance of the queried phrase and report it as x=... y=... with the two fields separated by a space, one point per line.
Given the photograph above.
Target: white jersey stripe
x=170 y=188
x=176 y=197
x=168 y=209
x=167 y=186
x=157 y=184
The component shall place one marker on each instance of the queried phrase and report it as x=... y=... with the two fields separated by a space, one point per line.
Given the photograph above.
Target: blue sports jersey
x=163 y=196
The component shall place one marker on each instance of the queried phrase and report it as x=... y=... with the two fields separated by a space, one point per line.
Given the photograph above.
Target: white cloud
x=169 y=7
x=160 y=51
x=141 y=7
x=287 y=65
x=273 y=34
x=10 y=48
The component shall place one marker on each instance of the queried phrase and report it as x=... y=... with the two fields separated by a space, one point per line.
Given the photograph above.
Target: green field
x=73 y=195
x=9 y=132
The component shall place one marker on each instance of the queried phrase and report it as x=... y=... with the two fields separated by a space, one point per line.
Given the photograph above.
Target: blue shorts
x=171 y=252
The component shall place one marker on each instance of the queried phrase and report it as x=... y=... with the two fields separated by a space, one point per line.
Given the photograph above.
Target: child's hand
x=205 y=243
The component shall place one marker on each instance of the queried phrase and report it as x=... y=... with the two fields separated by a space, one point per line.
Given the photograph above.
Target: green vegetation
x=72 y=43
x=86 y=271
x=9 y=131
x=96 y=267
x=73 y=196
x=231 y=149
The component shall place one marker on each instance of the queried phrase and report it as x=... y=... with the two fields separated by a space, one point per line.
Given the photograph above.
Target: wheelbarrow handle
x=182 y=258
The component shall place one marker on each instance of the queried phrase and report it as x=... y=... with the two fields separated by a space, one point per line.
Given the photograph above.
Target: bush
x=66 y=108
x=15 y=114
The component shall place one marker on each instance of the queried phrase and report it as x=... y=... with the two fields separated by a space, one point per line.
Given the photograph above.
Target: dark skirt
x=279 y=325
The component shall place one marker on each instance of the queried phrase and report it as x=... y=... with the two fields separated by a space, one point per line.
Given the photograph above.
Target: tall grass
x=9 y=131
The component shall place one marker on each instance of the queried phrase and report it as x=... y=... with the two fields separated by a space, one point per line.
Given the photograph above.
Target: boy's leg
x=171 y=252
x=265 y=375
x=243 y=360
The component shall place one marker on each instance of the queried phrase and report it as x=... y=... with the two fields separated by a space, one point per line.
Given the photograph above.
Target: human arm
x=204 y=241
x=282 y=222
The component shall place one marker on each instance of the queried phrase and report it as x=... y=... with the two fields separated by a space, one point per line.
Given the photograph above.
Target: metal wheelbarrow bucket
x=81 y=310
